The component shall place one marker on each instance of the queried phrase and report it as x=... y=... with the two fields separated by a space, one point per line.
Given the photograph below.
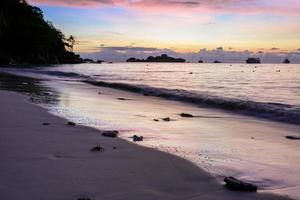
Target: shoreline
x=59 y=157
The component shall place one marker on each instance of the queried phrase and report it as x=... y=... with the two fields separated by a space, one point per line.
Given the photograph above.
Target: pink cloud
x=226 y=6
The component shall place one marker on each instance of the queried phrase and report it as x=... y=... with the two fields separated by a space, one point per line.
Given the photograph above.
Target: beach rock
x=97 y=148
x=166 y=119
x=71 y=124
x=114 y=148
x=238 y=185
x=156 y=120
x=122 y=99
x=186 y=115
x=290 y=137
x=47 y=93
x=99 y=92
x=31 y=99
x=46 y=124
x=84 y=199
x=110 y=133
x=137 y=138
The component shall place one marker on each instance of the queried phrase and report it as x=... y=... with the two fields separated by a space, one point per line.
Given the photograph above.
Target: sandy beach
x=55 y=162
x=149 y=100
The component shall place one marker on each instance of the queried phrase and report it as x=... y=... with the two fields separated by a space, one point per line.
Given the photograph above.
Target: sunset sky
x=116 y=29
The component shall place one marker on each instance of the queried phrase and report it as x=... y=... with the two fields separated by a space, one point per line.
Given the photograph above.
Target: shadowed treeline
x=26 y=38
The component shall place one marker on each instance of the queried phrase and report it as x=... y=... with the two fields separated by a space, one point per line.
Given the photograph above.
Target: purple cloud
x=232 y=6
x=120 y=54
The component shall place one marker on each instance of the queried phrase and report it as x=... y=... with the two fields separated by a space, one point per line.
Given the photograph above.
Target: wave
x=273 y=111
x=61 y=74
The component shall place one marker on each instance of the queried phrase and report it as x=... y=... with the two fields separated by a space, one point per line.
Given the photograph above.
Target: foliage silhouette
x=26 y=38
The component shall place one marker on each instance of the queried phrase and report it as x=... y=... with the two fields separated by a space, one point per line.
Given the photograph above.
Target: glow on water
x=222 y=143
x=275 y=83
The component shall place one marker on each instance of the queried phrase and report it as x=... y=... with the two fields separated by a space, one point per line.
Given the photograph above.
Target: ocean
x=263 y=90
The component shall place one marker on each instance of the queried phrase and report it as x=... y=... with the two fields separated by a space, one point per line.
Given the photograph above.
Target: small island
x=253 y=61
x=162 y=58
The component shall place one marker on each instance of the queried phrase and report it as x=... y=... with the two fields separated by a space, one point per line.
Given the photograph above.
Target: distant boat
x=286 y=61
x=253 y=60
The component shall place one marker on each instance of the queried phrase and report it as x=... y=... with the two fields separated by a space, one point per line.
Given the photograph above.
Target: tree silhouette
x=25 y=37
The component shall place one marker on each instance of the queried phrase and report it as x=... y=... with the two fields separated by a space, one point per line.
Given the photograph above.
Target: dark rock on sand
x=238 y=185
x=110 y=133
x=123 y=99
x=186 y=115
x=166 y=119
x=290 y=137
x=137 y=138
x=71 y=124
x=156 y=120
x=97 y=148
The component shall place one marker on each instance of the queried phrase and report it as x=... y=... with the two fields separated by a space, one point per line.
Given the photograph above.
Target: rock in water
x=71 y=124
x=137 y=138
x=235 y=184
x=110 y=133
x=46 y=124
x=47 y=93
x=97 y=148
x=186 y=115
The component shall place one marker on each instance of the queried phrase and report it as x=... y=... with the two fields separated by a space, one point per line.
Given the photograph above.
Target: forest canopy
x=26 y=38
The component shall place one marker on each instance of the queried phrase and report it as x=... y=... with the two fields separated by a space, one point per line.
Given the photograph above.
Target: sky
x=225 y=30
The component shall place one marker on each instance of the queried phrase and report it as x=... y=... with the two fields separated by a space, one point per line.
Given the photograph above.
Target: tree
x=25 y=37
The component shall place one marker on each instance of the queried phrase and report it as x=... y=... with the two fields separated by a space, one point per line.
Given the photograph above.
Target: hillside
x=26 y=38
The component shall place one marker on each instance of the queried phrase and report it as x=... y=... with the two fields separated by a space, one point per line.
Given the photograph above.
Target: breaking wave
x=274 y=111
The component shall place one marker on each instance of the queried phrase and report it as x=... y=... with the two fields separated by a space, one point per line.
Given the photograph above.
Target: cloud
x=231 y=6
x=129 y=48
x=275 y=49
x=122 y=53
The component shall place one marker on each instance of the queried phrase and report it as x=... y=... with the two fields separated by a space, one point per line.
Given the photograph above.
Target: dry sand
x=55 y=162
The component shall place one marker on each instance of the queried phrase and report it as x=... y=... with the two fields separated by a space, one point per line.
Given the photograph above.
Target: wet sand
x=222 y=143
x=55 y=162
